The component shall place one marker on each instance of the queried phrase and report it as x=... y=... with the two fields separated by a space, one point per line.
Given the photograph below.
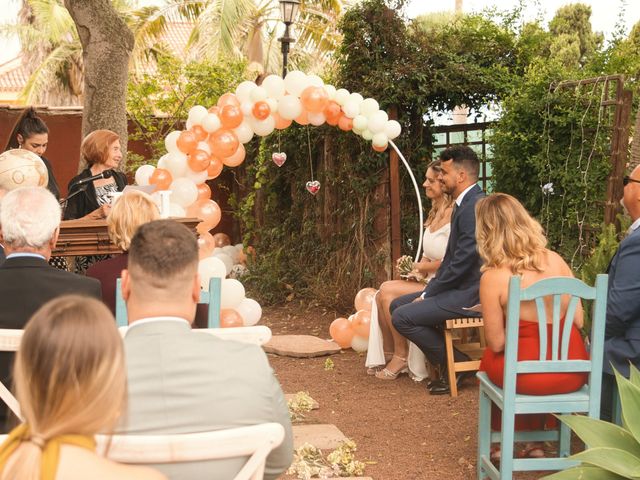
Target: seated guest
x=130 y=211
x=510 y=243
x=384 y=337
x=622 y=333
x=71 y=384
x=181 y=381
x=29 y=222
x=2 y=255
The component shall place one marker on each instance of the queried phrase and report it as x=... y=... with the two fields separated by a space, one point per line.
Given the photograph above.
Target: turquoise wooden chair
x=586 y=400
x=211 y=298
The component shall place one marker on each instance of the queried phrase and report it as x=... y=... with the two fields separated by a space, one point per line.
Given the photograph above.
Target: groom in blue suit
x=420 y=316
x=622 y=332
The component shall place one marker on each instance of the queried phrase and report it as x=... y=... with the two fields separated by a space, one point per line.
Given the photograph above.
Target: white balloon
x=246 y=108
x=250 y=311
x=204 y=146
x=360 y=122
x=216 y=250
x=352 y=108
x=232 y=252
x=232 y=293
x=331 y=91
x=342 y=95
x=359 y=344
x=273 y=104
x=264 y=127
x=380 y=139
x=392 y=129
x=184 y=192
x=170 y=141
x=244 y=132
x=196 y=177
x=317 y=119
x=357 y=97
x=367 y=134
x=239 y=246
x=274 y=85
x=162 y=161
x=315 y=80
x=226 y=259
x=208 y=268
x=243 y=91
x=143 y=173
x=211 y=122
x=176 y=163
x=357 y=131
x=378 y=121
x=289 y=107
x=369 y=106
x=197 y=114
x=176 y=210
x=258 y=94
x=295 y=82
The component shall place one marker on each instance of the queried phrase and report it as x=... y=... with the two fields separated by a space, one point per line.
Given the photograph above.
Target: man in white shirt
x=181 y=381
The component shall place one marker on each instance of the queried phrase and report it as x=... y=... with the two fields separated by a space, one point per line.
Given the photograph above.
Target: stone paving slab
x=322 y=436
x=300 y=346
x=314 y=404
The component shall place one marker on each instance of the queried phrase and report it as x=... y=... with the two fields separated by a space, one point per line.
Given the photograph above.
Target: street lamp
x=289 y=11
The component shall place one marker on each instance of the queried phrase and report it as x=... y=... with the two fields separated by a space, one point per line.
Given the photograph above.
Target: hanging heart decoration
x=313 y=187
x=279 y=158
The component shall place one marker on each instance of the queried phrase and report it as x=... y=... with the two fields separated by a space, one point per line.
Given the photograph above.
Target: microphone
x=105 y=174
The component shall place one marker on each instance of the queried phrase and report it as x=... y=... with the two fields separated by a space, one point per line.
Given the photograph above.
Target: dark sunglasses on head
x=627 y=179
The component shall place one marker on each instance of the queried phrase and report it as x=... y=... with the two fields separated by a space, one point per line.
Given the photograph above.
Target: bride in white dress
x=385 y=343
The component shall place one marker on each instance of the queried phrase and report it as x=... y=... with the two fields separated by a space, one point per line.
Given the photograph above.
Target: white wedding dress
x=434 y=248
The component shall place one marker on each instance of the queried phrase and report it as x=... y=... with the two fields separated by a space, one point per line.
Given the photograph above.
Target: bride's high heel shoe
x=386 y=374
x=375 y=369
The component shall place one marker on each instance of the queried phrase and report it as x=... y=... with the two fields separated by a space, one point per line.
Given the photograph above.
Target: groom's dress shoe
x=441 y=387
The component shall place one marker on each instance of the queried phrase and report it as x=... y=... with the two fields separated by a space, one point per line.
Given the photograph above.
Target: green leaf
x=635 y=375
x=596 y=433
x=630 y=401
x=611 y=459
x=583 y=472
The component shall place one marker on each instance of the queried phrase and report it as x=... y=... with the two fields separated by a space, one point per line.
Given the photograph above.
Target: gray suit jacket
x=182 y=381
x=622 y=334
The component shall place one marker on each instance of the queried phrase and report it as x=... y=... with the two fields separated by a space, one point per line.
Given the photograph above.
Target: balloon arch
x=215 y=137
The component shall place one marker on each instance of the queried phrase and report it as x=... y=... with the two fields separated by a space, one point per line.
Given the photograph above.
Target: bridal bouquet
x=404 y=265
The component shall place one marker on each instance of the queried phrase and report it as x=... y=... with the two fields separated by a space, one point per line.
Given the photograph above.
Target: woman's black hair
x=28 y=124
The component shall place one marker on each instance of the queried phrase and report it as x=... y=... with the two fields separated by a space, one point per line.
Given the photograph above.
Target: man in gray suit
x=622 y=333
x=182 y=381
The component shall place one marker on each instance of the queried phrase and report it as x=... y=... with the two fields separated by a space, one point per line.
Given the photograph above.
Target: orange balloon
x=207 y=211
x=187 y=141
x=341 y=332
x=228 y=99
x=361 y=322
x=345 y=123
x=281 y=123
x=230 y=318
x=231 y=116
x=204 y=191
x=332 y=121
x=215 y=110
x=303 y=118
x=198 y=160
x=332 y=111
x=221 y=240
x=261 y=110
x=200 y=133
x=161 y=178
x=364 y=299
x=237 y=158
x=206 y=245
x=224 y=143
x=314 y=99
x=201 y=228
x=380 y=149
x=215 y=168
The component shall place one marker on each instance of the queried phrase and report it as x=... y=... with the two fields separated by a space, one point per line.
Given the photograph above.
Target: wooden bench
x=472 y=347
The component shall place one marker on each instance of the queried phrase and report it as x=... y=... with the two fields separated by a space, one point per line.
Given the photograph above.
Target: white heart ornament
x=279 y=158
x=313 y=187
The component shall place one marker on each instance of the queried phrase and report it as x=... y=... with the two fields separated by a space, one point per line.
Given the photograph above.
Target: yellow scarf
x=50 y=448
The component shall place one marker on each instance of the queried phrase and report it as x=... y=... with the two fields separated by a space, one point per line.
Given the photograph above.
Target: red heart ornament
x=279 y=158
x=313 y=187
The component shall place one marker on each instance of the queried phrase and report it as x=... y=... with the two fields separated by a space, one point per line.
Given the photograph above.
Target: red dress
x=535 y=383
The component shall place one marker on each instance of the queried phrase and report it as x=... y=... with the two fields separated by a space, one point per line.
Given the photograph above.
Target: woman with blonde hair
x=386 y=345
x=70 y=382
x=132 y=209
x=511 y=242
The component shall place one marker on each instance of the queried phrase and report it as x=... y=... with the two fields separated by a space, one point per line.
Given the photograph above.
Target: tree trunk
x=635 y=144
x=107 y=43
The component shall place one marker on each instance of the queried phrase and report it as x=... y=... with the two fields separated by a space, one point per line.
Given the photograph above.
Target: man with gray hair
x=29 y=227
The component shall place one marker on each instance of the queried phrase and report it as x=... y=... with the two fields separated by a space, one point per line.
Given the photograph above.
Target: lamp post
x=289 y=11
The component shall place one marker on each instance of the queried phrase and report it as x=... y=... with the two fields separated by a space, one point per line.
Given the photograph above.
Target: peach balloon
x=237 y=158
x=206 y=244
x=200 y=133
x=198 y=160
x=341 y=332
x=361 y=322
x=224 y=143
x=345 y=123
x=215 y=110
x=261 y=110
x=215 y=168
x=187 y=141
x=380 y=149
x=364 y=299
x=201 y=228
x=230 y=318
x=303 y=118
x=204 y=191
x=281 y=123
x=221 y=240
x=333 y=121
x=206 y=210
x=332 y=111
x=314 y=99
x=161 y=178
x=228 y=99
x=231 y=116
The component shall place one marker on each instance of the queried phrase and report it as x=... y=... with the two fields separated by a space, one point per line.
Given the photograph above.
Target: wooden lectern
x=90 y=237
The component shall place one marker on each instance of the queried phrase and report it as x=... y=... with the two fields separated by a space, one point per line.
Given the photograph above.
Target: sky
x=604 y=16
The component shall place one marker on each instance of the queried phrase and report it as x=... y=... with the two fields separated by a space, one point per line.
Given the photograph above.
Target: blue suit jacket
x=622 y=334
x=457 y=281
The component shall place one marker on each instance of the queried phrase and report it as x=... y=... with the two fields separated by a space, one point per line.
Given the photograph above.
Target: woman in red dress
x=511 y=242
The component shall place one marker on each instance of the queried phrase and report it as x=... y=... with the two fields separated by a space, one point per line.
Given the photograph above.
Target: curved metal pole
x=417 y=189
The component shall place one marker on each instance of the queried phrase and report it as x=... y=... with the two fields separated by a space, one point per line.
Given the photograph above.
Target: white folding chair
x=9 y=342
x=257 y=335
x=256 y=441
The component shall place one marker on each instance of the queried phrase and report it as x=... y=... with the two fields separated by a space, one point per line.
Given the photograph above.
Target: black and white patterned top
x=103 y=193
